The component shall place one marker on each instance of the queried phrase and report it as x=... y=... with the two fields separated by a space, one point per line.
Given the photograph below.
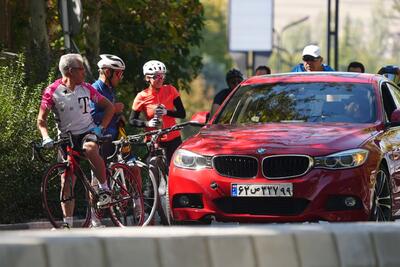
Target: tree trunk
x=5 y=22
x=39 y=46
x=91 y=30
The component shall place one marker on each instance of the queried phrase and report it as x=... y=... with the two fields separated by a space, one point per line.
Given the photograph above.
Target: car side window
x=389 y=104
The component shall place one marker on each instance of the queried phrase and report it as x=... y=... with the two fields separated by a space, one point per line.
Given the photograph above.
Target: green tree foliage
x=20 y=177
x=139 y=31
x=215 y=58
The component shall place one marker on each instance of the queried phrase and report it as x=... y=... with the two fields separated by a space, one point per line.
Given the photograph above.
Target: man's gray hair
x=68 y=61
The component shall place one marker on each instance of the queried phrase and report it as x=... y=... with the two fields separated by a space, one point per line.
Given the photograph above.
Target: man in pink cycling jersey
x=68 y=98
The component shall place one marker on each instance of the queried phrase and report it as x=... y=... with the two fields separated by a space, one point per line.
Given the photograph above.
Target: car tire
x=382 y=198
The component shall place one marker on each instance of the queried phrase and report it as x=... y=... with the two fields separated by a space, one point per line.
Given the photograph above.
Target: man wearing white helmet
x=161 y=104
x=111 y=70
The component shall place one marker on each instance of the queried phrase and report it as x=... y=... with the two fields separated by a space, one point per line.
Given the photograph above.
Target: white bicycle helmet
x=111 y=61
x=154 y=66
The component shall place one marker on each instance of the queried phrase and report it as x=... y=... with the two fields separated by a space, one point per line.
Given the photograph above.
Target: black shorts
x=107 y=149
x=78 y=141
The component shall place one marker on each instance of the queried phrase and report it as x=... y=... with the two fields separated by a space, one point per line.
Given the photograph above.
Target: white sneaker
x=96 y=223
x=63 y=226
x=104 y=198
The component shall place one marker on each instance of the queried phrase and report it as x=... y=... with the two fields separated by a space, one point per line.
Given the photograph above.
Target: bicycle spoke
x=74 y=198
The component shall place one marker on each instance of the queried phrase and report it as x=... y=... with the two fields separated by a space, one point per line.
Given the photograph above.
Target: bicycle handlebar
x=136 y=139
x=37 y=147
x=159 y=132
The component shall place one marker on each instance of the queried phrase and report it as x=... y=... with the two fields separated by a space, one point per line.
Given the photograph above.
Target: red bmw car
x=291 y=148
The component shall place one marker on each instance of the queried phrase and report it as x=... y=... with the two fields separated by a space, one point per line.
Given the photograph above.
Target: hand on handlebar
x=47 y=142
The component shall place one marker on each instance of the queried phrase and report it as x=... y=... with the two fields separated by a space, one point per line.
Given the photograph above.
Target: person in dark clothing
x=233 y=78
x=356 y=67
x=262 y=70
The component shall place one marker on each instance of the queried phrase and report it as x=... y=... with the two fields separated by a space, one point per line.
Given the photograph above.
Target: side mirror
x=395 y=117
x=201 y=117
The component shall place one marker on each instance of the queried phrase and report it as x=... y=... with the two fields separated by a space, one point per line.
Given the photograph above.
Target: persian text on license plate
x=262 y=190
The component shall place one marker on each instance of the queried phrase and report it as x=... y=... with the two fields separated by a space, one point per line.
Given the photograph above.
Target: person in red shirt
x=161 y=104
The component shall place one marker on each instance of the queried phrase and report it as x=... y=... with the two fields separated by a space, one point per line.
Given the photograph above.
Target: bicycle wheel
x=74 y=196
x=127 y=207
x=149 y=189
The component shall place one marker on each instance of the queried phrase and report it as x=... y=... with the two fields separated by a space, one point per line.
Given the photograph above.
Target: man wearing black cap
x=312 y=60
x=391 y=72
x=233 y=78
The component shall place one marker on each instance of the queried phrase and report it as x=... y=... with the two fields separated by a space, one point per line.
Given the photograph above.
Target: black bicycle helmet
x=233 y=73
x=391 y=72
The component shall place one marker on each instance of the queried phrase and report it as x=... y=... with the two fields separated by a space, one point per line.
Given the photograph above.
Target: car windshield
x=300 y=102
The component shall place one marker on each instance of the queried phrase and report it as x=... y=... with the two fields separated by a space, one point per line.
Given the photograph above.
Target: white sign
x=250 y=25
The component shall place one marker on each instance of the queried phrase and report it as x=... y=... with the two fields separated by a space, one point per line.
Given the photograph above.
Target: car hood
x=283 y=138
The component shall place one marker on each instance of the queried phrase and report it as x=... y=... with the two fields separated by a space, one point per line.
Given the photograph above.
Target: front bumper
x=319 y=195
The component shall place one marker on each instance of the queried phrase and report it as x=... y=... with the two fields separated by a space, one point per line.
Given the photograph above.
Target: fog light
x=338 y=203
x=350 y=201
x=184 y=201
x=193 y=201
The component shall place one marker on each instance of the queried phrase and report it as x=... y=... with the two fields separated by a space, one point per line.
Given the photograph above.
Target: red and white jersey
x=71 y=108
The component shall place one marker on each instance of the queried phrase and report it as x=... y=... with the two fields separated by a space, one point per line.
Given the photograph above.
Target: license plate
x=262 y=190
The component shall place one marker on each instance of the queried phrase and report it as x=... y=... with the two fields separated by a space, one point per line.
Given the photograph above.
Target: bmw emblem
x=261 y=150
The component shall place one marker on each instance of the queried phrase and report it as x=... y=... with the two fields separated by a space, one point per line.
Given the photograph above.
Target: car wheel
x=382 y=200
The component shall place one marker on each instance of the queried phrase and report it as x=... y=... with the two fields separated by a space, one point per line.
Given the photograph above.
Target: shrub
x=20 y=176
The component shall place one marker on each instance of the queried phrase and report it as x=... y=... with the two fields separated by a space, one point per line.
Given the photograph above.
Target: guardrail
x=298 y=245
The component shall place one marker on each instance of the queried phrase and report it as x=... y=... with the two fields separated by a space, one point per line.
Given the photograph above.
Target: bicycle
x=146 y=180
x=157 y=162
x=126 y=198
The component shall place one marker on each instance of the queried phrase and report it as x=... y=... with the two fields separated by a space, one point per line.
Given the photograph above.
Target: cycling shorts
x=78 y=141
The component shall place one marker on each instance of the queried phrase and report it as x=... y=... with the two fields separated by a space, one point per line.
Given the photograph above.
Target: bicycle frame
x=74 y=166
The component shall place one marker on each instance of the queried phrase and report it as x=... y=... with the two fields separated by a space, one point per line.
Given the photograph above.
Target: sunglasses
x=78 y=68
x=119 y=74
x=310 y=58
x=157 y=76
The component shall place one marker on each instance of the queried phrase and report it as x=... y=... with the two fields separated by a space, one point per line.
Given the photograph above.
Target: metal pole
x=337 y=35
x=328 y=50
x=278 y=51
x=65 y=25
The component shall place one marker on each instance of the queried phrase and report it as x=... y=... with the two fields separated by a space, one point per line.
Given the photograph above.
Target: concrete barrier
x=286 y=245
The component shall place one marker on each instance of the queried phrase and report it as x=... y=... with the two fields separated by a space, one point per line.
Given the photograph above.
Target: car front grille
x=236 y=166
x=262 y=205
x=285 y=166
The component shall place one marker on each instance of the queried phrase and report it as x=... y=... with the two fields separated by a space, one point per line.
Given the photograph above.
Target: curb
x=28 y=225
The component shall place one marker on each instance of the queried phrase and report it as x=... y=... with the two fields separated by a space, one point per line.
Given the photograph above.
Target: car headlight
x=342 y=160
x=190 y=160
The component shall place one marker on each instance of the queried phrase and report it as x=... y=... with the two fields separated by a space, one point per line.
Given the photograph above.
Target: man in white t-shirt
x=68 y=98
